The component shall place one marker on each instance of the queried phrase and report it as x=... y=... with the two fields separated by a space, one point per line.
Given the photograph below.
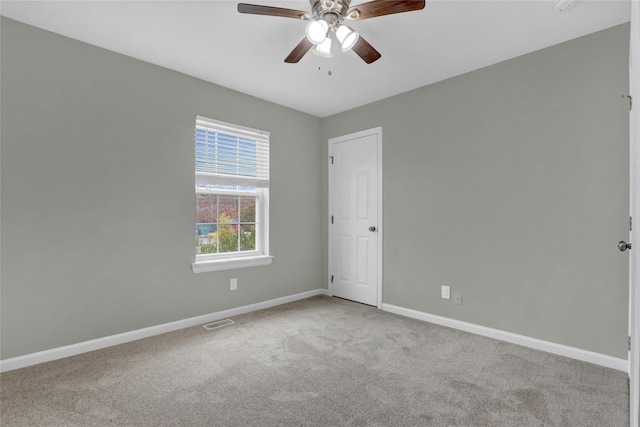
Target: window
x=232 y=196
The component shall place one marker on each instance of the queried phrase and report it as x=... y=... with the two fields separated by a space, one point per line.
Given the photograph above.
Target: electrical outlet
x=457 y=298
x=446 y=292
x=233 y=285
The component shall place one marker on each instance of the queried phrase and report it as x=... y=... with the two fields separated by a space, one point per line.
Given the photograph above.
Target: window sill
x=230 y=263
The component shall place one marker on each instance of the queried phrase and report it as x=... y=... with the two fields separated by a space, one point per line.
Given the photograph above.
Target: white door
x=634 y=234
x=355 y=217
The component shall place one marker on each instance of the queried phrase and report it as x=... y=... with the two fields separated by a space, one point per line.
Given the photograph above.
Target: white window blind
x=230 y=155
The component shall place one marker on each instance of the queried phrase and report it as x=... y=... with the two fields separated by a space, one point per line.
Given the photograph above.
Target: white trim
x=97 y=344
x=233 y=128
x=380 y=233
x=549 y=347
x=329 y=214
x=218 y=191
x=634 y=208
x=380 y=224
x=209 y=178
x=230 y=263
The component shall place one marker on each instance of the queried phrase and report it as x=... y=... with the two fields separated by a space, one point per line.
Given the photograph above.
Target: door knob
x=373 y=228
x=623 y=246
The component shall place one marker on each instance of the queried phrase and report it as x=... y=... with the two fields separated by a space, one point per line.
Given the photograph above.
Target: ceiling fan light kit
x=326 y=17
x=347 y=37
x=323 y=49
x=317 y=31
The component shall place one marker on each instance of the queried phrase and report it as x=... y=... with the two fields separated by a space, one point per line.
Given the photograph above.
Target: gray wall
x=98 y=194
x=510 y=184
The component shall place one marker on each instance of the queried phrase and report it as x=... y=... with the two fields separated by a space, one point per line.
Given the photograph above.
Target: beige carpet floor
x=316 y=362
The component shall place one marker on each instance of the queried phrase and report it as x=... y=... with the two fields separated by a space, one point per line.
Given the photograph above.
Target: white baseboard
x=97 y=344
x=549 y=347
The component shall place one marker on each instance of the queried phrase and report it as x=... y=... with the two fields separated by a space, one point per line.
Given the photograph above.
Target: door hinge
x=332 y=282
x=630 y=98
x=628 y=341
x=630 y=223
x=331 y=157
x=331 y=219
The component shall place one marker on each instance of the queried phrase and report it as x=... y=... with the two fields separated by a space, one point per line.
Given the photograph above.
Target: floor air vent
x=218 y=324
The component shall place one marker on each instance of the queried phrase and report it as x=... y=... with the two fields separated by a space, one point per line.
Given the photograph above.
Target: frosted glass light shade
x=323 y=49
x=347 y=37
x=317 y=31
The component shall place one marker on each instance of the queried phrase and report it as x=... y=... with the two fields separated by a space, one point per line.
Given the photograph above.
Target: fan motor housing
x=331 y=11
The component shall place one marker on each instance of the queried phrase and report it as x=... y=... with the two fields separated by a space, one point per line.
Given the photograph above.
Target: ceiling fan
x=327 y=17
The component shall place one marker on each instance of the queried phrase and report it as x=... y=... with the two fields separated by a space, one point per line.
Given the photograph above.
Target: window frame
x=240 y=259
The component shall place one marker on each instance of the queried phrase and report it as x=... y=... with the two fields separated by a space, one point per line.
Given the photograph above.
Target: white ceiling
x=210 y=40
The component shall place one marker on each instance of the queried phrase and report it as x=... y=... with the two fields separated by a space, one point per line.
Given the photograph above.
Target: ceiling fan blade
x=373 y=9
x=299 y=51
x=365 y=51
x=256 y=9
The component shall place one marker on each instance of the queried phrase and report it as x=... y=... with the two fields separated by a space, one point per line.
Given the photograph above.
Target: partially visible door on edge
x=634 y=234
x=355 y=225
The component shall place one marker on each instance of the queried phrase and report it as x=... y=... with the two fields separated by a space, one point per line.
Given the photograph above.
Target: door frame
x=380 y=233
x=634 y=203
